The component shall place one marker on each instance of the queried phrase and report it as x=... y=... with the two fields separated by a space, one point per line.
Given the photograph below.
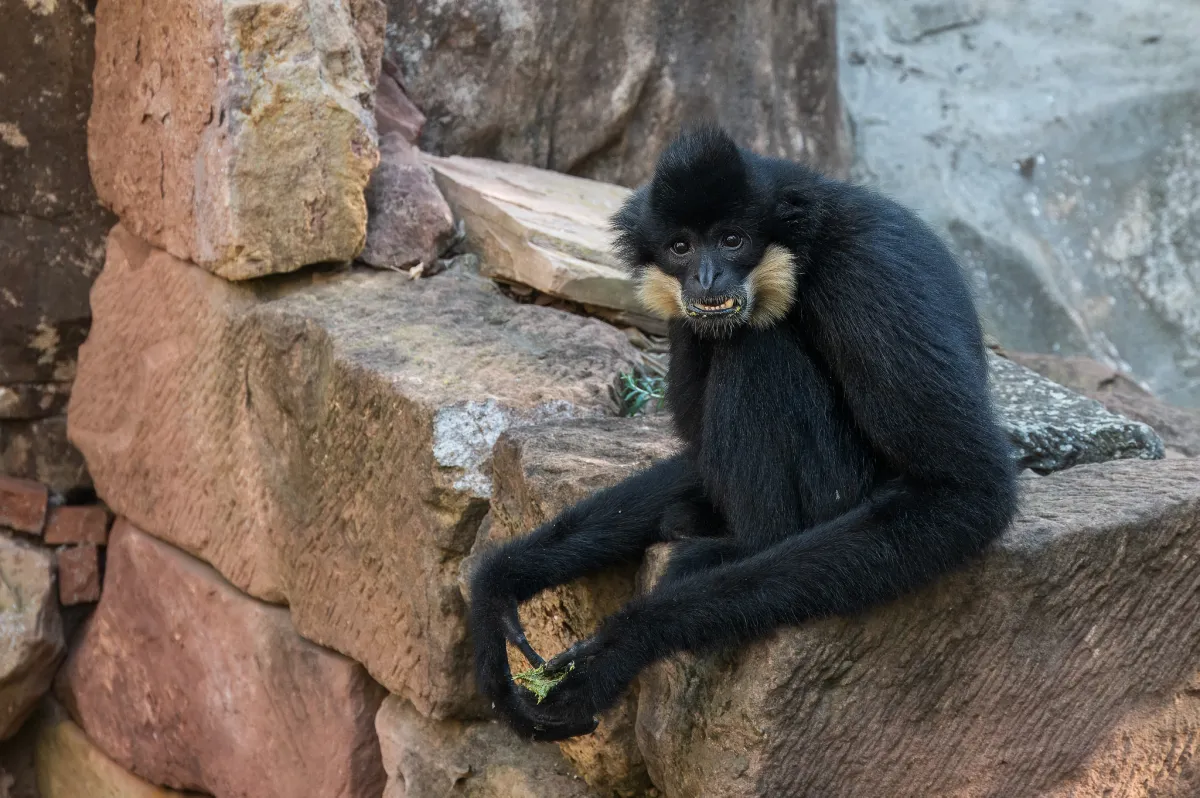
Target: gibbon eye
x=731 y=241
x=681 y=247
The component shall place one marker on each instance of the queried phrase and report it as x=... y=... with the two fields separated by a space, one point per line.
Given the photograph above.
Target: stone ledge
x=325 y=440
x=1062 y=664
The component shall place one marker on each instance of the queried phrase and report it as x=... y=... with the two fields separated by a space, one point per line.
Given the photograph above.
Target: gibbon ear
x=629 y=242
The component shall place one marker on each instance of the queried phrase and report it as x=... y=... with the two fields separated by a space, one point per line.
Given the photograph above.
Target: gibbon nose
x=709 y=272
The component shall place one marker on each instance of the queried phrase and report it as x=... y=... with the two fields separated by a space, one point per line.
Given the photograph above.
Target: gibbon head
x=696 y=237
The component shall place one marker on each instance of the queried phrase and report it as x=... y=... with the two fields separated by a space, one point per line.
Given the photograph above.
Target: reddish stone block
x=189 y=683
x=78 y=574
x=86 y=524
x=23 y=504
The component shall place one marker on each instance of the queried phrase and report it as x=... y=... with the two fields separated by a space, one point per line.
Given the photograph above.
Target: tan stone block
x=325 y=441
x=237 y=134
x=175 y=659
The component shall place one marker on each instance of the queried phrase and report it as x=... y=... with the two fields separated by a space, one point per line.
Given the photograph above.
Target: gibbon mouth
x=722 y=307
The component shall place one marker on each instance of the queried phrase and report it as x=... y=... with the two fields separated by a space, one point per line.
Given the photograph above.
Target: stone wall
x=296 y=457
x=52 y=232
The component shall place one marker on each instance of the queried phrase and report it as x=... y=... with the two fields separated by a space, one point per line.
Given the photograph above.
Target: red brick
x=23 y=504
x=78 y=574
x=86 y=524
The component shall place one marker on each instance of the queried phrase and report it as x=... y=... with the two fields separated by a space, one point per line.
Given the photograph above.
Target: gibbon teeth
x=726 y=305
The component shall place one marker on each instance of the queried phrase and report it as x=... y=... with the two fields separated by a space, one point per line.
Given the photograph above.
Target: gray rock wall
x=1056 y=143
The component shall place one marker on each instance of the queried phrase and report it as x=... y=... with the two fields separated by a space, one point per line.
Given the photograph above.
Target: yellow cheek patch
x=772 y=286
x=660 y=293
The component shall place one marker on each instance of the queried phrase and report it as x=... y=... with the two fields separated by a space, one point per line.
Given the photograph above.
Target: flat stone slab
x=325 y=440
x=1062 y=664
x=238 y=134
x=175 y=659
x=543 y=229
x=31 y=635
x=1055 y=428
x=1179 y=427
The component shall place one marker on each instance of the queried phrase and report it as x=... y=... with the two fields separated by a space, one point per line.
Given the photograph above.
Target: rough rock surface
x=395 y=113
x=1063 y=664
x=515 y=80
x=51 y=226
x=540 y=471
x=78 y=574
x=1179 y=427
x=31 y=637
x=25 y=400
x=176 y=659
x=426 y=757
x=23 y=504
x=71 y=766
x=408 y=221
x=238 y=135
x=325 y=440
x=540 y=228
x=39 y=450
x=1055 y=142
x=1054 y=428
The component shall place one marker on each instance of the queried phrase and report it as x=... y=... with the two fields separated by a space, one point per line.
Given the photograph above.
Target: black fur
x=833 y=461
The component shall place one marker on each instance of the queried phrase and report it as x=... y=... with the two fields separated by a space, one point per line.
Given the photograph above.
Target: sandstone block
x=425 y=757
x=23 y=504
x=540 y=471
x=238 y=134
x=1062 y=664
x=70 y=766
x=52 y=227
x=77 y=524
x=175 y=659
x=326 y=440
x=540 y=228
x=78 y=574
x=38 y=449
x=1179 y=427
x=516 y=81
x=32 y=640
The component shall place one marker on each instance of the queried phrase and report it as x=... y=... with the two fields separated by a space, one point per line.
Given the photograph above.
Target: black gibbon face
x=719 y=280
x=696 y=238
